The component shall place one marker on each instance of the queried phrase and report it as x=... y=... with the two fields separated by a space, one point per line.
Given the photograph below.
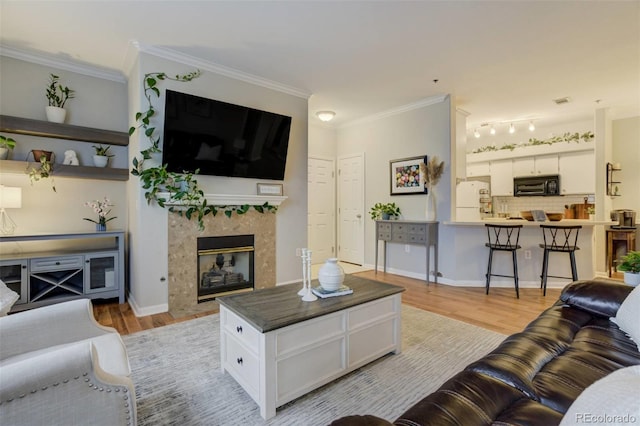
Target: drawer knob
x=57 y=263
x=239 y=329
x=239 y=361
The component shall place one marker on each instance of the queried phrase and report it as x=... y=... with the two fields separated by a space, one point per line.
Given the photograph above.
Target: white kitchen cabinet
x=501 y=178
x=535 y=166
x=577 y=173
x=478 y=169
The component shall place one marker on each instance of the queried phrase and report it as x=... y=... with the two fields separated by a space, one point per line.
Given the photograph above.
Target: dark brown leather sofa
x=533 y=376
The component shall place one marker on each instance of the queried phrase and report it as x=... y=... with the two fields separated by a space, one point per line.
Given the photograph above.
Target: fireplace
x=225 y=265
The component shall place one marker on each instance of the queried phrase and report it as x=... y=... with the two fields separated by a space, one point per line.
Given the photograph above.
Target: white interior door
x=321 y=209
x=351 y=209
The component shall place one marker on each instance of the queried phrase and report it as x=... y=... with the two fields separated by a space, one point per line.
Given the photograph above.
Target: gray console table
x=423 y=233
x=91 y=267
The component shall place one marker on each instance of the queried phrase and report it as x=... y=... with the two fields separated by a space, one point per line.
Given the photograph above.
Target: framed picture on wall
x=406 y=177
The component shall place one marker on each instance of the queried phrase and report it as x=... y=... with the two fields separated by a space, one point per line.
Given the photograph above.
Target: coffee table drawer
x=241 y=330
x=372 y=312
x=309 y=332
x=244 y=365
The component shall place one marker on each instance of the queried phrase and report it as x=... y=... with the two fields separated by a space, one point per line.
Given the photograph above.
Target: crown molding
x=172 y=55
x=398 y=110
x=54 y=61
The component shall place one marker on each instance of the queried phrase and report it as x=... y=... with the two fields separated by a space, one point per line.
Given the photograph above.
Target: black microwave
x=536 y=186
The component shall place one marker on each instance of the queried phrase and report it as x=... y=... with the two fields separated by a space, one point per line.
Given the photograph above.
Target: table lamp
x=10 y=198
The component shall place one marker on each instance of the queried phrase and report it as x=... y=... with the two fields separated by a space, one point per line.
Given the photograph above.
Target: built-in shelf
x=612 y=184
x=61 y=170
x=27 y=126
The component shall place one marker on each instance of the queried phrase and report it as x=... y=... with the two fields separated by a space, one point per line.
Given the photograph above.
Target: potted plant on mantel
x=384 y=211
x=6 y=144
x=57 y=95
x=101 y=156
x=630 y=265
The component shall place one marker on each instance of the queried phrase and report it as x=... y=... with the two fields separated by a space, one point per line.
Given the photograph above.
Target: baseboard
x=140 y=311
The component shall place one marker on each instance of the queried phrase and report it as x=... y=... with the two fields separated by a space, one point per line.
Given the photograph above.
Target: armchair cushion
x=628 y=316
x=7 y=298
x=600 y=297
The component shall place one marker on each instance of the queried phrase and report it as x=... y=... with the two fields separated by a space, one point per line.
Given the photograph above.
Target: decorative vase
x=101 y=227
x=100 y=160
x=56 y=114
x=430 y=210
x=386 y=216
x=4 y=153
x=39 y=153
x=331 y=275
x=632 y=278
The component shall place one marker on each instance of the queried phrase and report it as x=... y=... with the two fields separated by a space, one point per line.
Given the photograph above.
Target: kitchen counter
x=503 y=221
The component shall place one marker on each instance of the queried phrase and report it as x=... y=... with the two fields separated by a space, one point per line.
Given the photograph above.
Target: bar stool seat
x=559 y=239
x=503 y=238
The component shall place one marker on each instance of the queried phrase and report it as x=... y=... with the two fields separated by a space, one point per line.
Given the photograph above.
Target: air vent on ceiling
x=561 y=101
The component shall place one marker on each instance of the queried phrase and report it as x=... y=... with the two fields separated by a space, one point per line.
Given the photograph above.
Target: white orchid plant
x=102 y=208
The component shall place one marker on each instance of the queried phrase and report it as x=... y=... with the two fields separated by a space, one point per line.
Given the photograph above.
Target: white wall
x=98 y=103
x=626 y=151
x=322 y=141
x=149 y=223
x=418 y=132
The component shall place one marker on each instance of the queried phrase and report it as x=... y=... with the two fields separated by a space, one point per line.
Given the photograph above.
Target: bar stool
x=559 y=239
x=503 y=238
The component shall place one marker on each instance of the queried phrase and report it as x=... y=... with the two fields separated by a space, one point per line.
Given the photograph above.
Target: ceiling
x=501 y=60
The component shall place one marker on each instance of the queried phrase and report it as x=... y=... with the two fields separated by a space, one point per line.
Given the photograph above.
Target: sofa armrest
x=65 y=386
x=48 y=326
x=599 y=296
x=365 y=420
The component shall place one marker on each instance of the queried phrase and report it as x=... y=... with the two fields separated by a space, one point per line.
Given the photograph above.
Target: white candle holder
x=308 y=295
x=303 y=255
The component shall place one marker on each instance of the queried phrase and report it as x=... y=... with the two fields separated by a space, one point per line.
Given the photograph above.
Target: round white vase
x=56 y=114
x=331 y=275
x=100 y=160
x=4 y=153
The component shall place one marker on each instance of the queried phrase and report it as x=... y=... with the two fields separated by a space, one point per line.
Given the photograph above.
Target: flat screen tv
x=222 y=139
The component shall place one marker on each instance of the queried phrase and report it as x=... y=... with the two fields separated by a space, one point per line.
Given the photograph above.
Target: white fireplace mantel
x=233 y=199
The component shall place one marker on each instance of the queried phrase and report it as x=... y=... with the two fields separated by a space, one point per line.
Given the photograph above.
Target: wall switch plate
x=527 y=254
x=407 y=248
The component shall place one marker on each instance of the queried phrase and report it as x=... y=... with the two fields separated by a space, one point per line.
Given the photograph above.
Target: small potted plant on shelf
x=6 y=145
x=630 y=265
x=45 y=170
x=102 y=208
x=384 y=211
x=57 y=95
x=101 y=155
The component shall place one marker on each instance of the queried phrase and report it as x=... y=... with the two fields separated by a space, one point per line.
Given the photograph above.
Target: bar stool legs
x=503 y=238
x=559 y=239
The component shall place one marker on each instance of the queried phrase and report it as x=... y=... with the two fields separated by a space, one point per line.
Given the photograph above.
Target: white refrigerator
x=468 y=194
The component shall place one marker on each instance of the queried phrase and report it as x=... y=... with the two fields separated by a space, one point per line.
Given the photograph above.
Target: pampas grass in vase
x=432 y=171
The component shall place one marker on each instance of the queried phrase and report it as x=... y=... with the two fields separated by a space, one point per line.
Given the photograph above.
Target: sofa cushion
x=7 y=298
x=599 y=297
x=612 y=400
x=628 y=316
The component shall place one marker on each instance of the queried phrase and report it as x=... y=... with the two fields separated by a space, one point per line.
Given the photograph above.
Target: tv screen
x=223 y=139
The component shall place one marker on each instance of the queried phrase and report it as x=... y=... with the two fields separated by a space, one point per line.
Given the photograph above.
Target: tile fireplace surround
x=183 y=256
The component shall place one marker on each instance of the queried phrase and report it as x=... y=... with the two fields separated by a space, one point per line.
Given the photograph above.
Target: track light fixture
x=497 y=125
x=476 y=133
x=531 y=126
x=492 y=130
x=512 y=128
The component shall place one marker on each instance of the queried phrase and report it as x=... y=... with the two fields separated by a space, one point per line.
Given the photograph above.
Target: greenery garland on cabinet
x=566 y=137
x=182 y=188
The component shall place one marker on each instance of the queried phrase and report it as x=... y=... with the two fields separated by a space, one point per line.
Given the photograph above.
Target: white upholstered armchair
x=59 y=366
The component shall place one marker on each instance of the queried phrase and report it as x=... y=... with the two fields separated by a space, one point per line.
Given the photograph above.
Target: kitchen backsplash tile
x=549 y=204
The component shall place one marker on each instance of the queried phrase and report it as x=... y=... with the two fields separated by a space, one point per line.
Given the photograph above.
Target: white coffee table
x=279 y=348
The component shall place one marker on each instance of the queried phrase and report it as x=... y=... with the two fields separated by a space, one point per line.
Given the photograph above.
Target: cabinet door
x=546 y=165
x=501 y=178
x=524 y=166
x=101 y=272
x=14 y=274
x=478 y=169
x=577 y=173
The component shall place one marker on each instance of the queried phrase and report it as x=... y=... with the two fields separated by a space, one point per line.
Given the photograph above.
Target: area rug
x=176 y=371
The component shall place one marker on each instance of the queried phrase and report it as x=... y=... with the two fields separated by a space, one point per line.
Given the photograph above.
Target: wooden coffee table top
x=277 y=307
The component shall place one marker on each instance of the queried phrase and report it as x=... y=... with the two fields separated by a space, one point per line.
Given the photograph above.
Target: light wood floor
x=499 y=311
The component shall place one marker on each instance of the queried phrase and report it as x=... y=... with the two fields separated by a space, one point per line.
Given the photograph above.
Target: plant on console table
x=630 y=265
x=184 y=193
x=384 y=211
x=102 y=208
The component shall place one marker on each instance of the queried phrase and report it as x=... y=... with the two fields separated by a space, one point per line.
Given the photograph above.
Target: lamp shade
x=10 y=197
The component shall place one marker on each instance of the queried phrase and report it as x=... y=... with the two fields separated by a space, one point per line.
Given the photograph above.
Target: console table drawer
x=399 y=238
x=417 y=229
x=56 y=263
x=417 y=238
x=241 y=330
